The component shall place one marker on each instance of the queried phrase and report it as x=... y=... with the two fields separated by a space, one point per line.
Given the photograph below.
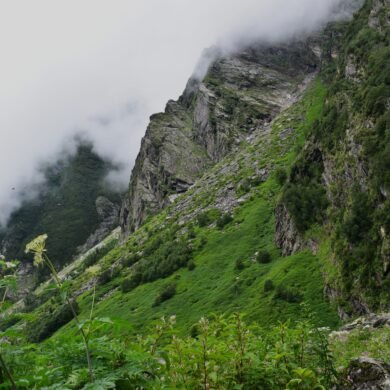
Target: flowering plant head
x=37 y=247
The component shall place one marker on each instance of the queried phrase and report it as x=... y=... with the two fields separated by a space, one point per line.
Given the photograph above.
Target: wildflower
x=37 y=246
x=93 y=270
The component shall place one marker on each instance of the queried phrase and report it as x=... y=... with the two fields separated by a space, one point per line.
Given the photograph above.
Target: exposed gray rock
x=377 y=7
x=372 y=321
x=350 y=69
x=287 y=237
x=240 y=94
x=108 y=213
x=286 y=133
x=368 y=374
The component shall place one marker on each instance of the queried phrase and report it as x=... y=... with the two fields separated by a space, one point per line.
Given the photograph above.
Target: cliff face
x=350 y=182
x=239 y=94
x=338 y=182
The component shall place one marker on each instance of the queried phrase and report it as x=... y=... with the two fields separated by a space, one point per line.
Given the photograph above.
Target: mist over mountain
x=249 y=248
x=101 y=71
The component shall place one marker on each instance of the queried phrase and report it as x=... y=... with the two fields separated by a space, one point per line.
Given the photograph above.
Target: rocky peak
x=239 y=93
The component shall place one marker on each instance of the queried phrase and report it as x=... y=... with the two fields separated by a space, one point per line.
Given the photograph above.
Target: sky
x=102 y=67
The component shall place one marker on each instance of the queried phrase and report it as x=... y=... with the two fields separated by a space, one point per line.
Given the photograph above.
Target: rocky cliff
x=341 y=178
x=240 y=93
x=339 y=181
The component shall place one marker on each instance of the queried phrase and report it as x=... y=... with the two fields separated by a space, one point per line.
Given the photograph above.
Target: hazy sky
x=102 y=67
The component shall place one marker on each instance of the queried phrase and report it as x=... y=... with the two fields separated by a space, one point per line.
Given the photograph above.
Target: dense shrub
x=288 y=294
x=167 y=293
x=304 y=196
x=239 y=265
x=52 y=318
x=9 y=321
x=280 y=176
x=105 y=276
x=94 y=256
x=263 y=257
x=224 y=220
x=268 y=285
x=191 y=265
x=130 y=259
x=132 y=282
x=358 y=223
x=208 y=217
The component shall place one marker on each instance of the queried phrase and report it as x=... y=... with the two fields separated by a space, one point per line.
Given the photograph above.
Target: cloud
x=103 y=67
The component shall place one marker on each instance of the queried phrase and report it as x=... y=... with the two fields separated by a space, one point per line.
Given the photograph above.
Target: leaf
x=104 y=320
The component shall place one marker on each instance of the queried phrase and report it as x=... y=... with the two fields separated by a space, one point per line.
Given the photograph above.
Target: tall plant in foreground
x=37 y=247
x=7 y=282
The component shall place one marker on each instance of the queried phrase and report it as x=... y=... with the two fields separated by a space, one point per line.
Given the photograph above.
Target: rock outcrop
x=239 y=94
x=368 y=374
x=108 y=213
x=351 y=135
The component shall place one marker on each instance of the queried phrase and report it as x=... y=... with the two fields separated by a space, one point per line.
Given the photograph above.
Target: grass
x=371 y=342
x=215 y=284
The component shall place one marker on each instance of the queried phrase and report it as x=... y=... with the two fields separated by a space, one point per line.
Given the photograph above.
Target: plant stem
x=8 y=373
x=76 y=318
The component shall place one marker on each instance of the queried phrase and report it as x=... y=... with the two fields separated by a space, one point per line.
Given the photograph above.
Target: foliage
x=63 y=314
x=222 y=352
x=288 y=294
x=51 y=318
x=224 y=220
x=239 y=265
x=263 y=257
x=167 y=293
x=207 y=217
x=65 y=207
x=304 y=196
x=268 y=285
x=280 y=176
x=96 y=254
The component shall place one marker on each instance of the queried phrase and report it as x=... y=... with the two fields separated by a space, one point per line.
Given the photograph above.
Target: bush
x=263 y=257
x=203 y=241
x=126 y=285
x=105 y=276
x=167 y=293
x=239 y=266
x=203 y=219
x=130 y=260
x=191 y=265
x=288 y=294
x=95 y=255
x=132 y=282
x=49 y=321
x=194 y=331
x=9 y=321
x=208 y=217
x=224 y=220
x=359 y=222
x=268 y=285
x=281 y=176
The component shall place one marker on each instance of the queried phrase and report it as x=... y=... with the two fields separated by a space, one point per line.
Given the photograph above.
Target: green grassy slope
x=215 y=284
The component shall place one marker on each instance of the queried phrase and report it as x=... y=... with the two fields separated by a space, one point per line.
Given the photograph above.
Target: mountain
x=262 y=190
x=71 y=205
x=239 y=94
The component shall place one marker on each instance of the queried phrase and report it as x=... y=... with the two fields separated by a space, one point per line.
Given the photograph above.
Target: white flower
x=37 y=246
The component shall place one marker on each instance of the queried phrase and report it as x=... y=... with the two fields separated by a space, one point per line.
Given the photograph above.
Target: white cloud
x=103 y=67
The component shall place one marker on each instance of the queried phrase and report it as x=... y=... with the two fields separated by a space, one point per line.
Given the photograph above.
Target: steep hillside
x=263 y=190
x=239 y=94
x=341 y=178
